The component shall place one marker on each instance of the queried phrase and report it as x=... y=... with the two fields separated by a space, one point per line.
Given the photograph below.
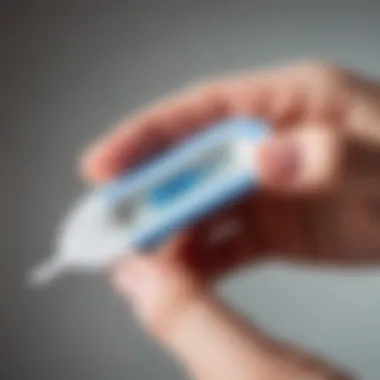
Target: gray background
x=71 y=68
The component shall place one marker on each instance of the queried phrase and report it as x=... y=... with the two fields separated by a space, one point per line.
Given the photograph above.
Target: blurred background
x=70 y=69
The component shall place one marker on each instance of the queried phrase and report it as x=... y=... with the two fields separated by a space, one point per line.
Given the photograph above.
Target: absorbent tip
x=45 y=273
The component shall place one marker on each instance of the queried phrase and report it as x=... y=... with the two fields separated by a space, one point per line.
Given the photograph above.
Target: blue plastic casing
x=187 y=182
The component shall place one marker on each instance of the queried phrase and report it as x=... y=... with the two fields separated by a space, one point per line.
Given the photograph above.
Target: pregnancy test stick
x=147 y=205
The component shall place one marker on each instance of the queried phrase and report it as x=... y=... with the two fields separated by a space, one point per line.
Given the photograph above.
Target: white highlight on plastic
x=245 y=154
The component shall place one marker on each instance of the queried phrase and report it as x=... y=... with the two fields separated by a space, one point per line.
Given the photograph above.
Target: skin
x=318 y=205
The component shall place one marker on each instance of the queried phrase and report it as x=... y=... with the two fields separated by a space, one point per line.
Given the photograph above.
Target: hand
x=320 y=186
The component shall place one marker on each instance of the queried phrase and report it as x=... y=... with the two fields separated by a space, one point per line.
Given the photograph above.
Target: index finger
x=173 y=119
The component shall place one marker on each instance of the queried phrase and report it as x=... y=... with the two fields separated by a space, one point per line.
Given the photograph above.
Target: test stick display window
x=135 y=211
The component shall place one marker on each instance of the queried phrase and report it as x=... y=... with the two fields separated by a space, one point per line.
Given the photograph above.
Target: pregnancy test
x=150 y=203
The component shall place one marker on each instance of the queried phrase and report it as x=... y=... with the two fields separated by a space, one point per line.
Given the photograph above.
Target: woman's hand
x=319 y=203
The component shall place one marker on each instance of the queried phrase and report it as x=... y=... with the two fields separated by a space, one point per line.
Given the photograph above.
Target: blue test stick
x=147 y=205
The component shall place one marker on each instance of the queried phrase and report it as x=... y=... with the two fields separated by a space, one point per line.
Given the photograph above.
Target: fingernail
x=281 y=159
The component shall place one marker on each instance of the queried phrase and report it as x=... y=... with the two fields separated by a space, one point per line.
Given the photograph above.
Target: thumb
x=302 y=160
x=157 y=290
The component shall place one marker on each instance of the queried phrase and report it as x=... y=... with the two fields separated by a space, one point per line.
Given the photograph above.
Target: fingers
x=283 y=96
x=159 y=126
x=152 y=130
x=278 y=95
x=305 y=160
x=210 y=339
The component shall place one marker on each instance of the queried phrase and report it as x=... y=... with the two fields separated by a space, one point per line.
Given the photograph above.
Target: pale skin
x=319 y=204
